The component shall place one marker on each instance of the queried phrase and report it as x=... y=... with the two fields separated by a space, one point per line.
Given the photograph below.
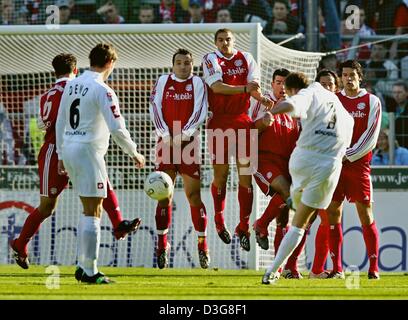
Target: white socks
x=289 y=243
x=89 y=238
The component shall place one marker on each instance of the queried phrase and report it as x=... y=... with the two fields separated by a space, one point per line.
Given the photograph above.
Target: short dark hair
x=328 y=73
x=401 y=83
x=221 y=31
x=353 y=64
x=101 y=54
x=64 y=63
x=296 y=80
x=183 y=52
x=285 y=2
x=280 y=72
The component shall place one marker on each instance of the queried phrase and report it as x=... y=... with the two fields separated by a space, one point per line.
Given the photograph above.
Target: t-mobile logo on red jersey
x=357 y=114
x=235 y=71
x=284 y=123
x=179 y=96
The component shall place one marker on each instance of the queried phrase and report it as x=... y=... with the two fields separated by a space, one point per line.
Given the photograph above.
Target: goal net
x=145 y=53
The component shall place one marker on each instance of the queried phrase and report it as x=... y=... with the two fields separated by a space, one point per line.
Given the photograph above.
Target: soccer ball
x=158 y=185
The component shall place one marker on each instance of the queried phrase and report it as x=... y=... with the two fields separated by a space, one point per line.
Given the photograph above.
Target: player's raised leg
x=120 y=226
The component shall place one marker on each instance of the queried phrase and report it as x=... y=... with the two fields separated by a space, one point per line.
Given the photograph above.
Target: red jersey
x=279 y=138
x=240 y=69
x=49 y=105
x=175 y=100
x=365 y=109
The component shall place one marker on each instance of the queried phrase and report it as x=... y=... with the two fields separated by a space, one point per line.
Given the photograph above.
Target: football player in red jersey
x=272 y=175
x=178 y=106
x=51 y=183
x=233 y=77
x=355 y=182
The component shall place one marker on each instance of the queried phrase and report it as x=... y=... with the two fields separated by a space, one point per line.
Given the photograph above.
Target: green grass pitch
x=191 y=284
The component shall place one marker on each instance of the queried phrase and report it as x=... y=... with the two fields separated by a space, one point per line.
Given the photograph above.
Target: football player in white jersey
x=316 y=161
x=89 y=113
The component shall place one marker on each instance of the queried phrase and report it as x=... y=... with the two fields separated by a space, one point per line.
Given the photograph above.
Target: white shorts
x=86 y=169
x=314 y=178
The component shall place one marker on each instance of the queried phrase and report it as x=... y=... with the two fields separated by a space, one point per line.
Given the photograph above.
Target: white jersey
x=327 y=127
x=89 y=113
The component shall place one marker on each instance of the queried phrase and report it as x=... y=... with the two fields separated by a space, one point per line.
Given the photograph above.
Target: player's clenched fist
x=268 y=103
x=139 y=160
x=252 y=86
x=267 y=119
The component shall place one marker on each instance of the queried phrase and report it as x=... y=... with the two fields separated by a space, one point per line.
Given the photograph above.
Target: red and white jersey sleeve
x=212 y=69
x=155 y=109
x=257 y=110
x=200 y=107
x=364 y=138
x=254 y=73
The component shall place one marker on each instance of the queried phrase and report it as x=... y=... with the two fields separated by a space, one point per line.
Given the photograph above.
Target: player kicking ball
x=89 y=114
x=316 y=161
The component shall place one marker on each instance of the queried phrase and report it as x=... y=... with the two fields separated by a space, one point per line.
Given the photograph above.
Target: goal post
x=145 y=53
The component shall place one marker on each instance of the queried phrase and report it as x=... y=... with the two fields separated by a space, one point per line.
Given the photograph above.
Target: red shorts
x=51 y=183
x=268 y=170
x=230 y=136
x=184 y=160
x=354 y=184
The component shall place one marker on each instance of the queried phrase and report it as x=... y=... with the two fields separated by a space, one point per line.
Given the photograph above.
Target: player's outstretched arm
x=283 y=107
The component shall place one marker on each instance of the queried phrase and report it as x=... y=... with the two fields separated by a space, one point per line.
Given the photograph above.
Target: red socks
x=279 y=234
x=218 y=195
x=321 y=248
x=335 y=243
x=271 y=212
x=163 y=219
x=370 y=234
x=245 y=199
x=31 y=226
x=199 y=217
x=111 y=206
